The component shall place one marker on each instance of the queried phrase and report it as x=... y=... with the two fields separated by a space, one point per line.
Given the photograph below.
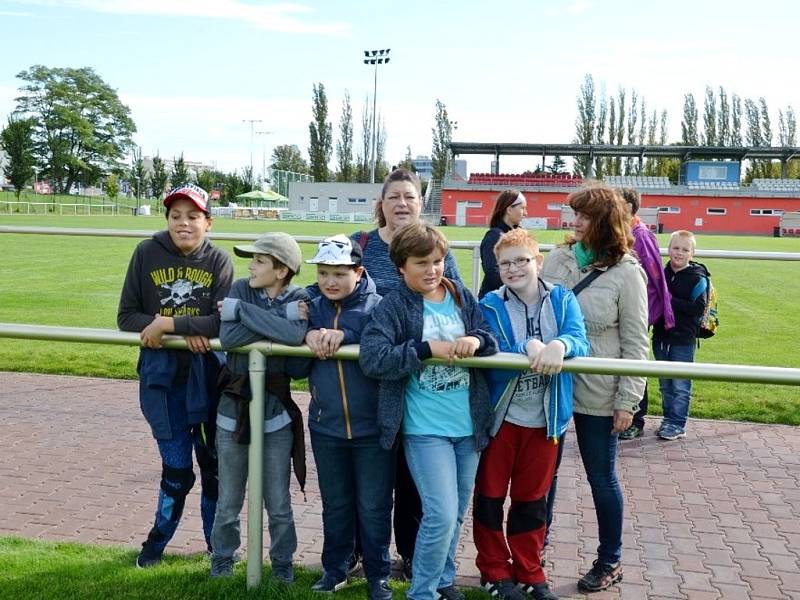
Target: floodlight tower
x=251 y=121
x=375 y=57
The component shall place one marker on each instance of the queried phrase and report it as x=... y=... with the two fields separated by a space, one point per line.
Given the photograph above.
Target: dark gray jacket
x=392 y=349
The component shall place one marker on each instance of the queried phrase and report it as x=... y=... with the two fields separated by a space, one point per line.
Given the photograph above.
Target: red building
x=739 y=211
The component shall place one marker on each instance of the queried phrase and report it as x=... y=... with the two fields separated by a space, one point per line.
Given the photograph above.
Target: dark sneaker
x=283 y=573
x=671 y=432
x=353 y=564
x=407 y=567
x=380 y=590
x=538 y=591
x=148 y=557
x=600 y=577
x=329 y=584
x=222 y=566
x=505 y=589
x=449 y=593
x=631 y=433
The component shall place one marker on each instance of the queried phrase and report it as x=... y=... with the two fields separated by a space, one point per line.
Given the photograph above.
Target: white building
x=333 y=201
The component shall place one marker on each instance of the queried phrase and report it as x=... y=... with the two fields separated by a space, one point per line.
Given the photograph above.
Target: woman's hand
x=549 y=359
x=622 y=420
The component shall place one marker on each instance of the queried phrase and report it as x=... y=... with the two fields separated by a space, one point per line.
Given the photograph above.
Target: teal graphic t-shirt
x=437 y=398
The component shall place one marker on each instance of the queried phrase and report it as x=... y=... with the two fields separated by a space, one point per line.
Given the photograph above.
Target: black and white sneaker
x=538 y=591
x=505 y=589
x=329 y=584
x=449 y=593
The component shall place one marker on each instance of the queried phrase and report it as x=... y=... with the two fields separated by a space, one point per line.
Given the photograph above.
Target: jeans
x=598 y=448
x=177 y=476
x=444 y=470
x=225 y=537
x=675 y=393
x=355 y=481
x=639 y=415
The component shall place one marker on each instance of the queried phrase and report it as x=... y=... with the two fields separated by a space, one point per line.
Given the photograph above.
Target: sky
x=193 y=72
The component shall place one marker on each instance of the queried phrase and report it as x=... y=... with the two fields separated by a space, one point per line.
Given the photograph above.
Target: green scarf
x=583 y=255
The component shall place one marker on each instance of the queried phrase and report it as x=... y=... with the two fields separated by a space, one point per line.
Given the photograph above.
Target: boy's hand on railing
x=324 y=342
x=151 y=336
x=549 y=359
x=466 y=346
x=198 y=344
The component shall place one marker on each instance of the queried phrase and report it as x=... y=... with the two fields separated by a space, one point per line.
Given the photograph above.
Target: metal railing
x=473 y=246
x=258 y=352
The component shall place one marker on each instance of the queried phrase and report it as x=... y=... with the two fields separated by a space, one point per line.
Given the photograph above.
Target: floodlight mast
x=375 y=58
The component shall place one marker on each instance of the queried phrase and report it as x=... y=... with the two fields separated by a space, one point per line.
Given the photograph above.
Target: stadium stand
x=637 y=181
x=777 y=185
x=712 y=185
x=521 y=180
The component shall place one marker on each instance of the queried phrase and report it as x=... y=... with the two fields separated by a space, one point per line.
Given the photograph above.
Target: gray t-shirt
x=527 y=404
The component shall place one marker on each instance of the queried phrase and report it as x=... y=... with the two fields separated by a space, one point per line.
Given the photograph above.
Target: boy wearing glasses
x=532 y=409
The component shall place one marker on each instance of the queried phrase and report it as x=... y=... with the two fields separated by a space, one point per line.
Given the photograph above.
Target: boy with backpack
x=688 y=285
x=356 y=475
x=266 y=305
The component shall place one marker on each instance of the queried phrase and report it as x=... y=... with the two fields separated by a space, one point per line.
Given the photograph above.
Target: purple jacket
x=658 y=298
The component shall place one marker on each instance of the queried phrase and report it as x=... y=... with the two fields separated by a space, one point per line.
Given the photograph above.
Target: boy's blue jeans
x=177 y=475
x=675 y=393
x=225 y=538
x=444 y=470
x=356 y=478
x=598 y=448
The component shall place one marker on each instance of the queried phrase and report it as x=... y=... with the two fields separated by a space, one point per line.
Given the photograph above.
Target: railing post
x=255 y=458
x=476 y=269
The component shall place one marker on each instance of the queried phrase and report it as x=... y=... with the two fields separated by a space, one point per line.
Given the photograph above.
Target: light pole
x=264 y=154
x=453 y=127
x=251 y=121
x=375 y=57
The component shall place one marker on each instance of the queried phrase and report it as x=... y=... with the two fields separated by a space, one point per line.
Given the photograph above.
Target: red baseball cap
x=191 y=192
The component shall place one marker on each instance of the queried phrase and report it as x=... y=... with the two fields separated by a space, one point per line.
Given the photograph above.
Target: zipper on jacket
x=340 y=371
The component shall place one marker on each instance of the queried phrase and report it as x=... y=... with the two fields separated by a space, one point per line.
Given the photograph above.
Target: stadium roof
x=594 y=150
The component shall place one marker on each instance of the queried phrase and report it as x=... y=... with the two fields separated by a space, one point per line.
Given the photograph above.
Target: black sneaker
x=329 y=584
x=505 y=589
x=601 y=576
x=148 y=557
x=407 y=567
x=449 y=593
x=538 y=591
x=379 y=590
x=283 y=573
x=222 y=566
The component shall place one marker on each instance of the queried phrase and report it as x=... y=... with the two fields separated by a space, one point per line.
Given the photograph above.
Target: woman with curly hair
x=614 y=306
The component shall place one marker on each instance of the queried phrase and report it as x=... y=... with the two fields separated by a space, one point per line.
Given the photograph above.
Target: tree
x=17 y=141
x=600 y=130
x=234 y=185
x=138 y=175
x=710 y=118
x=209 y=179
x=247 y=179
x=82 y=129
x=287 y=157
x=112 y=187
x=736 y=121
x=408 y=161
x=159 y=177
x=620 y=127
x=180 y=174
x=723 y=119
x=585 y=123
x=381 y=168
x=766 y=126
x=442 y=134
x=344 y=147
x=557 y=166
x=612 y=132
x=321 y=135
x=363 y=156
x=689 y=122
x=632 y=116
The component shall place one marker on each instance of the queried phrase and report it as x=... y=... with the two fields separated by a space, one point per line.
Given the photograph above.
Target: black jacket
x=688 y=288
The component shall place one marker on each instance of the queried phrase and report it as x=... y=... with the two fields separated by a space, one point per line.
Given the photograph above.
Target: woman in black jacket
x=509 y=210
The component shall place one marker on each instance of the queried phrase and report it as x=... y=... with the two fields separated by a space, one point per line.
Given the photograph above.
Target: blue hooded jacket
x=571 y=332
x=344 y=401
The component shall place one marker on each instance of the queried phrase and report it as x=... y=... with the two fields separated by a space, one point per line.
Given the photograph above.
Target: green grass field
x=75 y=281
x=53 y=571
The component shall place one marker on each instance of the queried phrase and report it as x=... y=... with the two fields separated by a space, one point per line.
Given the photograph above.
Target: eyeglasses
x=517 y=263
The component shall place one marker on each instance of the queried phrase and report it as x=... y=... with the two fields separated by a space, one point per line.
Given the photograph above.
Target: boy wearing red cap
x=172 y=286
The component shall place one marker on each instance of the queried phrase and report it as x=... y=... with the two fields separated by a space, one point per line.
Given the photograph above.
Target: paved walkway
x=715 y=515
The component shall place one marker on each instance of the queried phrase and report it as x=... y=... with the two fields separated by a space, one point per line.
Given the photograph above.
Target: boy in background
x=688 y=285
x=266 y=305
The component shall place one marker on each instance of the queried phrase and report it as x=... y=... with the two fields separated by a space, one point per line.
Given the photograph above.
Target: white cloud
x=285 y=17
